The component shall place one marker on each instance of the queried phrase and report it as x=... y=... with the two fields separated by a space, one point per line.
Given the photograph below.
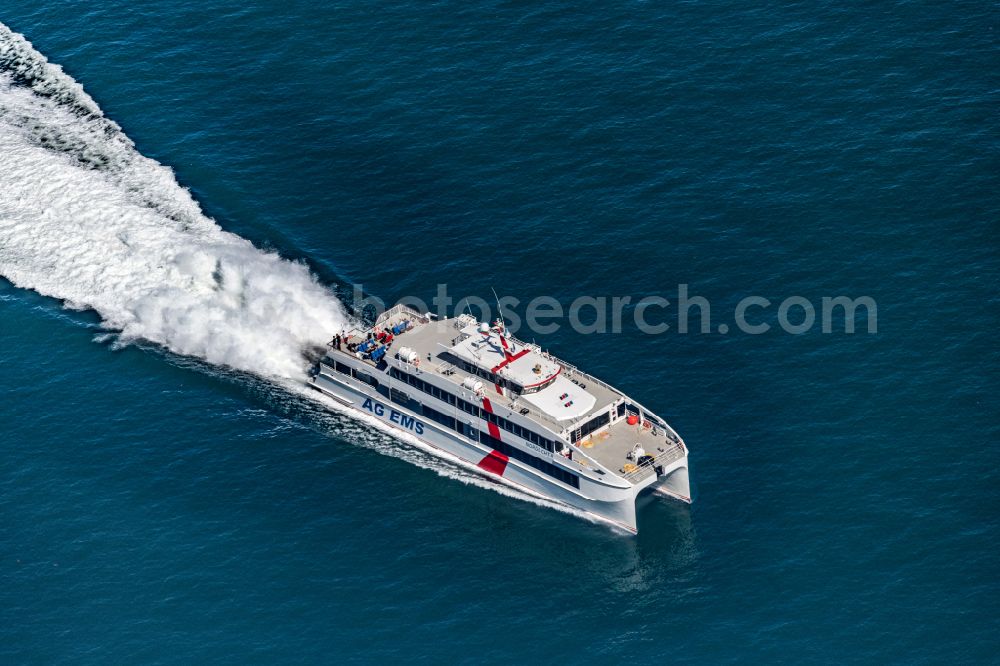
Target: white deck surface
x=563 y=400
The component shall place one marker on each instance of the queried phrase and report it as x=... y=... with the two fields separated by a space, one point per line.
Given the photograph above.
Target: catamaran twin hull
x=473 y=392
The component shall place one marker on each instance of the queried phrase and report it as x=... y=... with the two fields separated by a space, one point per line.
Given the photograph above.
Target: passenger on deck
x=636 y=452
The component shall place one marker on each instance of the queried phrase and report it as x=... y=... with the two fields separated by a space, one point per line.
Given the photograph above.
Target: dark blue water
x=159 y=508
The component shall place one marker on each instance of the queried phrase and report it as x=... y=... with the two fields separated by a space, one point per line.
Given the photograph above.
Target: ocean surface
x=186 y=204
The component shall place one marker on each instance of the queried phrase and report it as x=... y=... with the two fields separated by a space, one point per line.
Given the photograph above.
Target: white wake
x=87 y=219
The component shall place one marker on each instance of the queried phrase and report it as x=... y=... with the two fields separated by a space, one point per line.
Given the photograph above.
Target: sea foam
x=85 y=218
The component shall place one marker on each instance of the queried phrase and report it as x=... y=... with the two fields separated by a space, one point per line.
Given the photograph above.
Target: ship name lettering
x=379 y=409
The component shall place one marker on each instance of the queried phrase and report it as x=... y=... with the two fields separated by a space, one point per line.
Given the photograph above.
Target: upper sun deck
x=524 y=370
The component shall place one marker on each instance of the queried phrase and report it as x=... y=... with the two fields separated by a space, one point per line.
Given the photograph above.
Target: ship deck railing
x=570 y=371
x=398 y=309
x=573 y=370
x=567 y=367
x=675 y=451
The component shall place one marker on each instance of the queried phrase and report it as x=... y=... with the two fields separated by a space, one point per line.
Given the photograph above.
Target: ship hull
x=613 y=502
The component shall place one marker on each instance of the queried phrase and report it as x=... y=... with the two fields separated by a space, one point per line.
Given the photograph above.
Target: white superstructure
x=515 y=412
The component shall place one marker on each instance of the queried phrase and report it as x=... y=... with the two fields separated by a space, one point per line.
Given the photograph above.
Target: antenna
x=499 y=311
x=503 y=331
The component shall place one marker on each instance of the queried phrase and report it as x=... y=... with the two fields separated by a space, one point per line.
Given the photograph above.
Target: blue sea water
x=159 y=507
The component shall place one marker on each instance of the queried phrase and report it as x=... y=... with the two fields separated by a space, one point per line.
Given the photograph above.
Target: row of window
x=501 y=381
x=443 y=419
x=593 y=424
x=473 y=409
x=543 y=466
x=345 y=369
x=489 y=376
x=508 y=450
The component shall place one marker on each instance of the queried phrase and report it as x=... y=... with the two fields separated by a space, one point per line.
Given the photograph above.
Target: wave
x=85 y=218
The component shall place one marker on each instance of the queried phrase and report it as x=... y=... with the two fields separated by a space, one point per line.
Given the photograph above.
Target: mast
x=501 y=328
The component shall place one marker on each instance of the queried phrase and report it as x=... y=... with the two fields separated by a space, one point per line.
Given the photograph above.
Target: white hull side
x=602 y=500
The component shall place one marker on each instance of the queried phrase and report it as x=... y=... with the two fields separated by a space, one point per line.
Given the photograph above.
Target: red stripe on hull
x=494 y=430
x=494 y=462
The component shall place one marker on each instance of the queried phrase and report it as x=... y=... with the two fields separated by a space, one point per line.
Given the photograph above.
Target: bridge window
x=593 y=424
x=538 y=387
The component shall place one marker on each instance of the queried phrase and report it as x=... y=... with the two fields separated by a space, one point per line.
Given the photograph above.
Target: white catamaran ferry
x=475 y=392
